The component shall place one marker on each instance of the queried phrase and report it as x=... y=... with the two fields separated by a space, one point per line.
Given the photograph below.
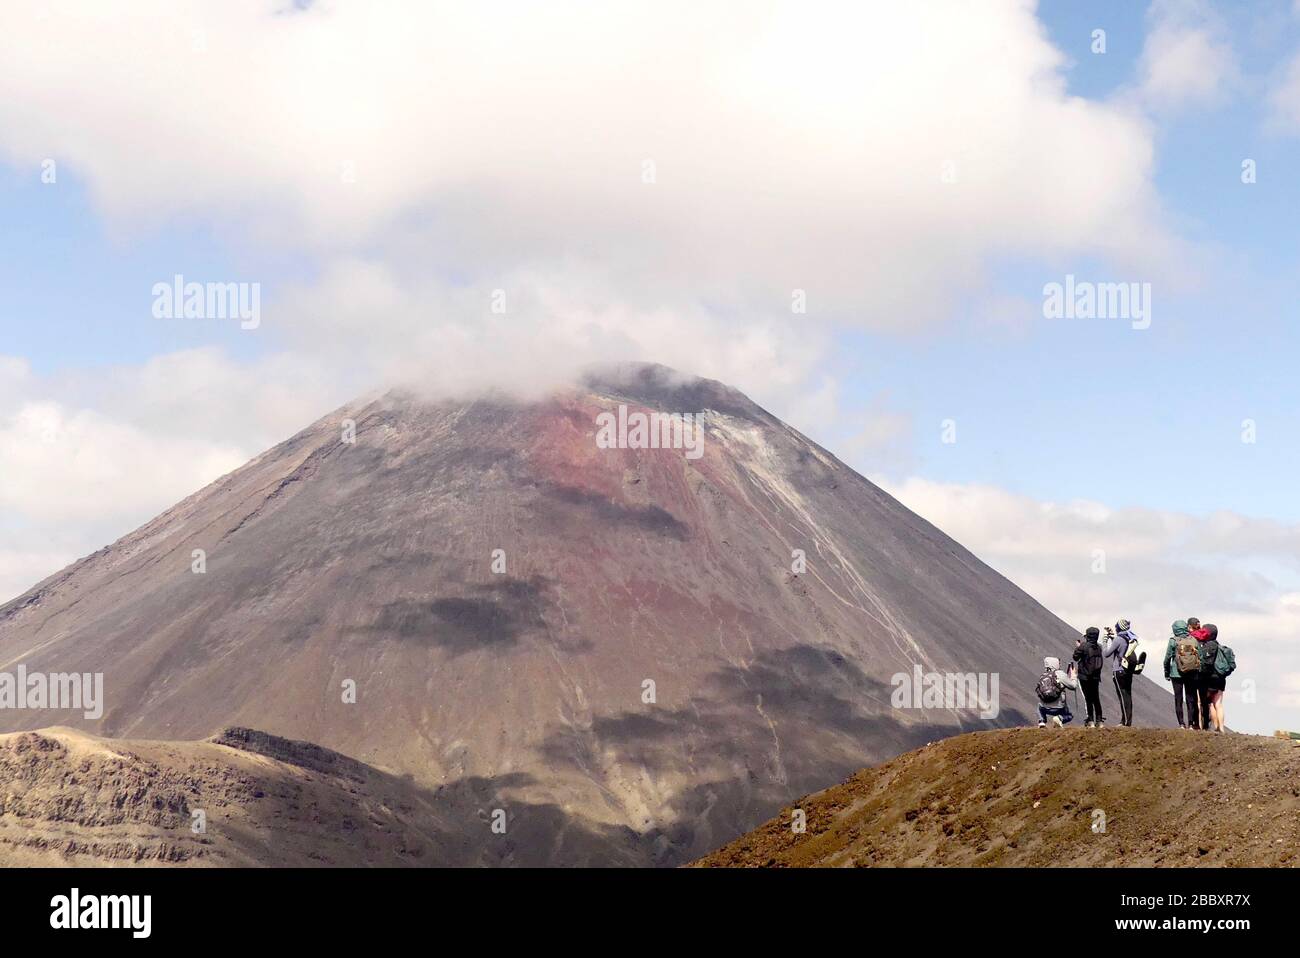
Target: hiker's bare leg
x=1216 y=709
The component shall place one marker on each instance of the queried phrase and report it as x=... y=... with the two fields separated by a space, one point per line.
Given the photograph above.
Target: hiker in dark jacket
x=1052 y=685
x=1184 y=678
x=1212 y=683
x=1116 y=646
x=1200 y=634
x=1091 y=663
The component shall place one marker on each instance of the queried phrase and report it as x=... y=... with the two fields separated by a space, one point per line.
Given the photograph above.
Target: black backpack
x=1049 y=687
x=1209 y=652
x=1091 y=661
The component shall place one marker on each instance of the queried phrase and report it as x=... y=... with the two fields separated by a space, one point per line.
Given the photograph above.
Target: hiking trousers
x=1124 y=689
x=1063 y=710
x=1092 y=696
x=1185 y=690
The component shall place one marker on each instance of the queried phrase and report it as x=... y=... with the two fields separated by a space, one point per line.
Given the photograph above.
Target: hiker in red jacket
x=1213 y=682
x=1201 y=635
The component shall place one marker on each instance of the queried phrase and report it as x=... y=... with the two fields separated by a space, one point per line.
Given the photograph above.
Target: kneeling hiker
x=1051 y=693
x=1091 y=663
x=1183 y=670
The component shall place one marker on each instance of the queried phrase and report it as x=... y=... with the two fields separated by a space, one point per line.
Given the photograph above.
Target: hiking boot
x=1042 y=725
x=1088 y=724
x=1056 y=722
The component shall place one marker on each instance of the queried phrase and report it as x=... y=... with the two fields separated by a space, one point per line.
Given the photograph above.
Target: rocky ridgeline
x=305 y=755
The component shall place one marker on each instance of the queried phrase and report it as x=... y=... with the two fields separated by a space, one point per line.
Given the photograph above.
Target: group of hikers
x=1196 y=663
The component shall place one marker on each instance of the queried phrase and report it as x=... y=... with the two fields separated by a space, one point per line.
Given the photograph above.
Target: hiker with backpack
x=1200 y=634
x=1217 y=663
x=1127 y=660
x=1051 y=688
x=1091 y=663
x=1183 y=671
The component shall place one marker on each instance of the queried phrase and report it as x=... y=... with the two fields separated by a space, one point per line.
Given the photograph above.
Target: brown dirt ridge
x=1028 y=797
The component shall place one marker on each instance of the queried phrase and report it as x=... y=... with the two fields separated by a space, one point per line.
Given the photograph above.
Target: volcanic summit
x=573 y=652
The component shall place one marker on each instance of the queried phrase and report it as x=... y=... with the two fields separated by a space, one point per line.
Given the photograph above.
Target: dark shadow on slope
x=603 y=510
x=453 y=825
x=793 y=722
x=491 y=616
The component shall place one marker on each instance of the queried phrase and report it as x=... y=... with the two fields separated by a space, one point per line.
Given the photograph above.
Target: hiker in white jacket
x=1052 y=685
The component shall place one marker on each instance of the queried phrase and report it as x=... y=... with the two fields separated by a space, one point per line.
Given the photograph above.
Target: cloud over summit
x=604 y=159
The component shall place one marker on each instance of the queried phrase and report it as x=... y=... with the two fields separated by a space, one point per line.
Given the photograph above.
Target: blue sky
x=784 y=158
x=78 y=288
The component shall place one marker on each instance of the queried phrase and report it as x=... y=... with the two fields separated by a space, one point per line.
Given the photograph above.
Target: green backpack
x=1225 y=663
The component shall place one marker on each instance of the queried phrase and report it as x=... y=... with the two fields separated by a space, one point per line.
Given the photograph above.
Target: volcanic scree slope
x=330 y=562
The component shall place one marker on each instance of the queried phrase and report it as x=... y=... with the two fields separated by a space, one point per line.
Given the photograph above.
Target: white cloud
x=1186 y=59
x=428 y=153
x=65 y=465
x=205 y=393
x=74 y=480
x=554 y=324
x=1284 y=98
x=1290 y=698
x=1240 y=573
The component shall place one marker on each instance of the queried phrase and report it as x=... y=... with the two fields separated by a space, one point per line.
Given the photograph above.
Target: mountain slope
x=330 y=563
x=1028 y=797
